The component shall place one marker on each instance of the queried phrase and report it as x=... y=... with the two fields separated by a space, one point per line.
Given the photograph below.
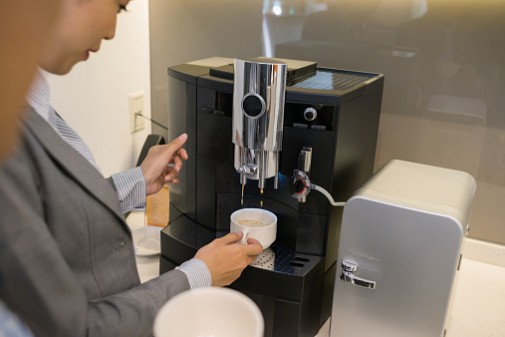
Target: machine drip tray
x=283 y=259
x=183 y=237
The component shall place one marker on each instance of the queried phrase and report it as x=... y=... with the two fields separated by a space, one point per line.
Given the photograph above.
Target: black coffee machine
x=322 y=149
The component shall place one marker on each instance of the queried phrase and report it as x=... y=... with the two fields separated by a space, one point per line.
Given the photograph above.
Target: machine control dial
x=310 y=114
x=253 y=105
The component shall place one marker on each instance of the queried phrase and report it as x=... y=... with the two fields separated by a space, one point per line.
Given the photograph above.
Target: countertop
x=478 y=308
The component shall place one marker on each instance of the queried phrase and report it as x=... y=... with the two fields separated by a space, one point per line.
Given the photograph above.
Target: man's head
x=81 y=27
x=25 y=26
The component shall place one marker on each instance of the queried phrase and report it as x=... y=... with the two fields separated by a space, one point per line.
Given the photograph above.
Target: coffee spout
x=259 y=90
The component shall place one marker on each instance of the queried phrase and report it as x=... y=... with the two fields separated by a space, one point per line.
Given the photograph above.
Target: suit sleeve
x=37 y=283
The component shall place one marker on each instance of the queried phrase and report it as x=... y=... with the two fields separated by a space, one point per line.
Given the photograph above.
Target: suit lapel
x=73 y=163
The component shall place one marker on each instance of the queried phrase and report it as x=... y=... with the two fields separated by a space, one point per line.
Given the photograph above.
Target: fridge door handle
x=348 y=269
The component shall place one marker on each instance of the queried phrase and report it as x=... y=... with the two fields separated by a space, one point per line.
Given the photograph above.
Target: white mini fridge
x=400 y=249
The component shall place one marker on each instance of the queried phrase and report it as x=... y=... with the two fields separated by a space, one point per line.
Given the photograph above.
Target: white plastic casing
x=404 y=231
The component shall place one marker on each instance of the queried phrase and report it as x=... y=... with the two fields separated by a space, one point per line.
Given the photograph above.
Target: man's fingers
x=179 y=141
x=177 y=163
x=175 y=145
x=230 y=238
x=254 y=247
x=183 y=153
x=172 y=172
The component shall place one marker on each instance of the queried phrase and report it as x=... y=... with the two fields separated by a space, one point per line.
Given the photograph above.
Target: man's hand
x=155 y=167
x=226 y=258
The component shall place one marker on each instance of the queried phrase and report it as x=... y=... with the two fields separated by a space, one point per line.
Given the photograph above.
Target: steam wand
x=301 y=187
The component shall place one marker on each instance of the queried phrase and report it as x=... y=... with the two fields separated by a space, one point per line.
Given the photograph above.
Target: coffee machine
x=283 y=135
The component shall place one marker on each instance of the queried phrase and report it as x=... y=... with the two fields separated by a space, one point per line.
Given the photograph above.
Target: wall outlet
x=136 y=107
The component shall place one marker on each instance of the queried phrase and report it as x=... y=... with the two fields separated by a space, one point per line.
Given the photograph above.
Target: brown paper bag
x=157 y=207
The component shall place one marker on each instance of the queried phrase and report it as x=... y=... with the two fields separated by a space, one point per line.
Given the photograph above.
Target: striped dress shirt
x=10 y=325
x=130 y=185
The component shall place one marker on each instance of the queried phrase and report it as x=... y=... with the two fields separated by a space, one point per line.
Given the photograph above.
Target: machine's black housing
x=296 y=296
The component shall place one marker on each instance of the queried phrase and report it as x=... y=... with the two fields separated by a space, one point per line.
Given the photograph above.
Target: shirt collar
x=38 y=97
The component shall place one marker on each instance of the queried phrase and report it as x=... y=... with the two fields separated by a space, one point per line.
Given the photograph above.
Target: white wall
x=93 y=98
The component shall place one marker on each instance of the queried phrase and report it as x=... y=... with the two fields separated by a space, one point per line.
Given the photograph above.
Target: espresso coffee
x=255 y=223
x=251 y=223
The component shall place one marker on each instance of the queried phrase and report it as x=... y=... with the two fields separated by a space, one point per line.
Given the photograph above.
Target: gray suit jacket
x=67 y=265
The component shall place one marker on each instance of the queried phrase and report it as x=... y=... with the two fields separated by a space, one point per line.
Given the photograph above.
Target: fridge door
x=399 y=253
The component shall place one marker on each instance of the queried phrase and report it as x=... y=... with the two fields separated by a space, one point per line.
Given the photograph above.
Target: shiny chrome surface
x=258 y=112
x=305 y=159
x=347 y=275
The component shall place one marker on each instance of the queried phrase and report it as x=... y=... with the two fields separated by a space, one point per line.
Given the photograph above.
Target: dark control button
x=318 y=127
x=207 y=109
x=253 y=105
x=300 y=126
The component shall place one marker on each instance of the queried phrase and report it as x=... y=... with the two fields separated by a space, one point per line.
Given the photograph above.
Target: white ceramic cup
x=256 y=223
x=211 y=311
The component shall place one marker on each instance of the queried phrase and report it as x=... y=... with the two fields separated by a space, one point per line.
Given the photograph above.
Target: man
x=69 y=261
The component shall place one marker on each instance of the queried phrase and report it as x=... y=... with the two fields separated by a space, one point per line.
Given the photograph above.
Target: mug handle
x=245 y=233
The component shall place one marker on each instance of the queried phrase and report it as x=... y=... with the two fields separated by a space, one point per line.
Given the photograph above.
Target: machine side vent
x=333 y=80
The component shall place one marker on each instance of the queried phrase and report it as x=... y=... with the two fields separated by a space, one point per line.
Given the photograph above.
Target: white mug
x=211 y=311
x=256 y=223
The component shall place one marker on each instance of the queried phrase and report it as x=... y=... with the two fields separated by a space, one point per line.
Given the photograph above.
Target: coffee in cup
x=256 y=223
